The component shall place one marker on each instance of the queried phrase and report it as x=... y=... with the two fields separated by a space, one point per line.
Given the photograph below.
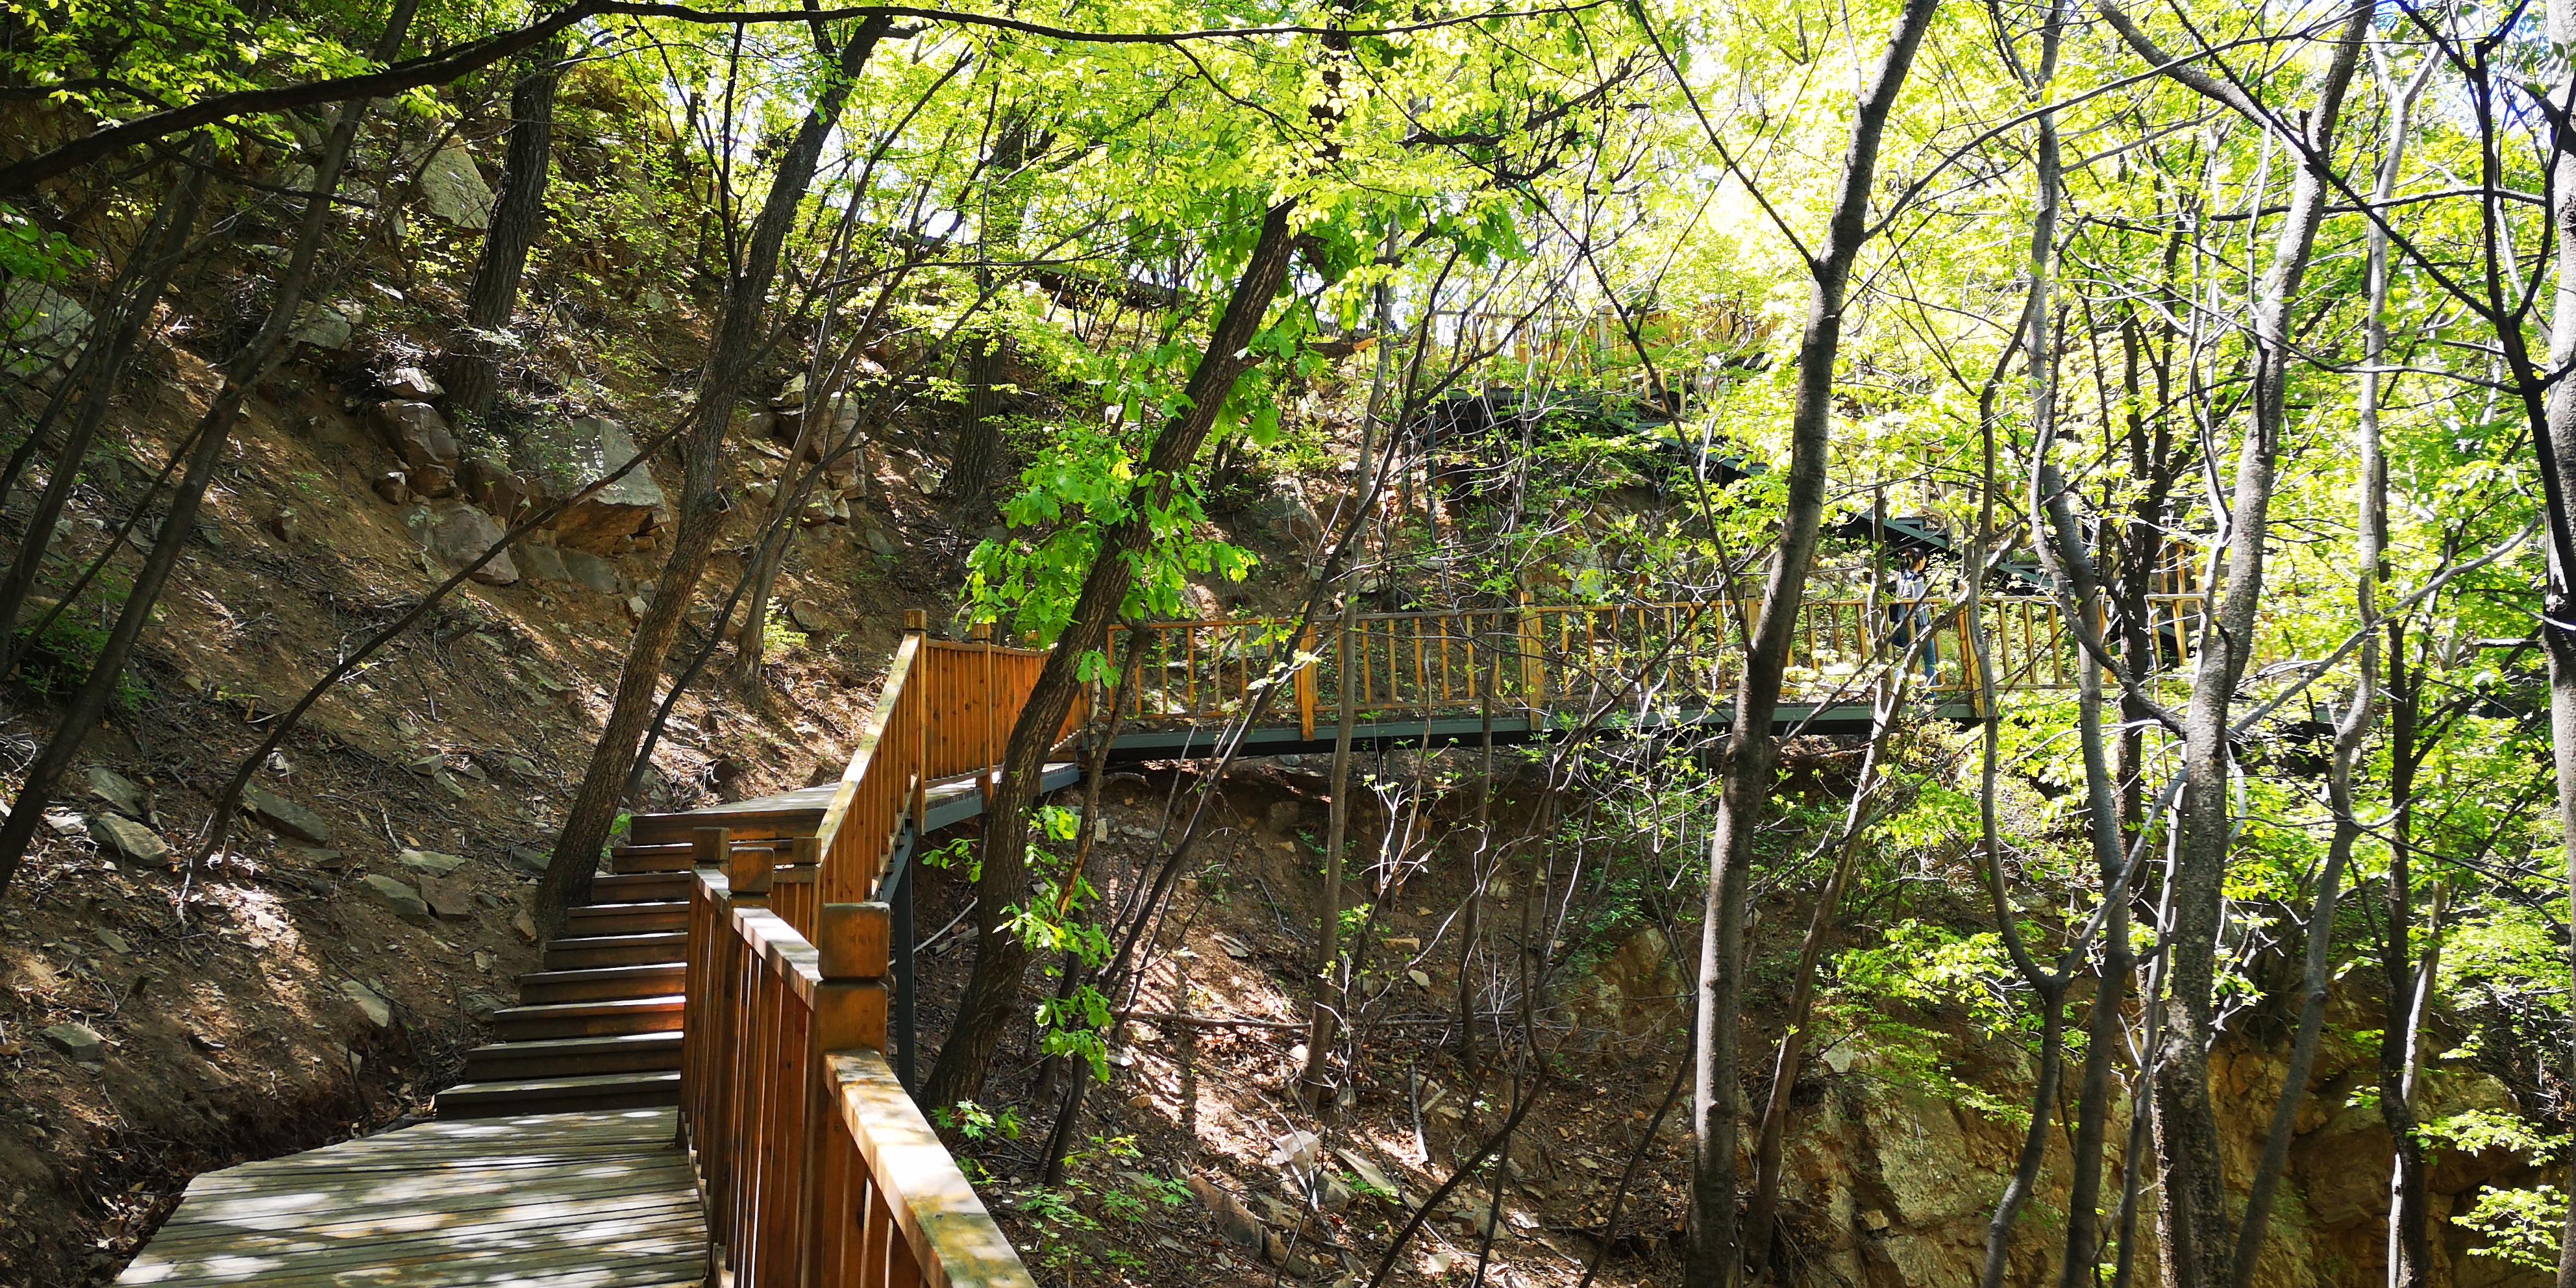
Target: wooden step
x=599 y=919
x=573 y=1057
x=560 y=1095
x=601 y=983
x=640 y=887
x=618 y=950
x=588 y=1019
x=745 y=824
x=672 y=857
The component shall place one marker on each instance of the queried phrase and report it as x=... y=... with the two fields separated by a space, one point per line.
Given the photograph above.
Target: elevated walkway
x=706 y=1080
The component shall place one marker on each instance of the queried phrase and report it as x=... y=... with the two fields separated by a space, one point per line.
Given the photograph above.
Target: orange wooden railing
x=817 y=1167
x=1540 y=657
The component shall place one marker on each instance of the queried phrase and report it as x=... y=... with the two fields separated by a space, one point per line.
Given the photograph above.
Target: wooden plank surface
x=590 y=1200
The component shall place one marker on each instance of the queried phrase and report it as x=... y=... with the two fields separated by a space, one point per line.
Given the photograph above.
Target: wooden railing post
x=1533 y=666
x=985 y=779
x=852 y=947
x=1306 y=684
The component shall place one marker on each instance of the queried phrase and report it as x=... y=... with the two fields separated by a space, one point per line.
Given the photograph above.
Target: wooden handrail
x=818 y=1168
x=1435 y=663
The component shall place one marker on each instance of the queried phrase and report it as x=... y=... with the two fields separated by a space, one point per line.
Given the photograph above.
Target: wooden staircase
x=598 y=1026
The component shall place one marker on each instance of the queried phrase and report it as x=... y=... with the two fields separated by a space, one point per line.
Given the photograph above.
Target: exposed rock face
x=419 y=435
x=606 y=521
x=1891 y=1175
x=324 y=327
x=412 y=383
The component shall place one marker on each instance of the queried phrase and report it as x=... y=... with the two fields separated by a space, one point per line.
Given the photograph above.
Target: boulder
x=419 y=435
x=129 y=841
x=1232 y=1219
x=430 y=861
x=592 y=448
x=447 y=899
x=40 y=327
x=592 y=572
x=394 y=486
x=324 y=327
x=404 y=901
x=378 y=1011
x=529 y=859
x=116 y=791
x=544 y=563
x=412 y=383
x=459 y=534
x=79 y=1042
x=452 y=189
x=493 y=486
x=281 y=815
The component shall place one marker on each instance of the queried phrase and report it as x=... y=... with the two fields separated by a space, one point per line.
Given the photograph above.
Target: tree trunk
x=1000 y=958
x=474 y=373
x=729 y=357
x=156 y=256
x=2198 y=1243
x=979 y=438
x=1331 y=984
x=1716 y=1258
x=213 y=432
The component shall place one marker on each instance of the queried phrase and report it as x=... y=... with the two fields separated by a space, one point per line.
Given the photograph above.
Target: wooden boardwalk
x=588 y=1200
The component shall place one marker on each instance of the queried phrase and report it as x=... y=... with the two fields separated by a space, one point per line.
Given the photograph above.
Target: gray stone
x=495 y=487
x=78 y=1041
x=120 y=793
x=116 y=943
x=378 y=1011
x=592 y=572
x=458 y=535
x=281 y=815
x=452 y=189
x=394 y=486
x=39 y=327
x=404 y=901
x=883 y=543
x=128 y=840
x=544 y=563
x=530 y=860
x=448 y=899
x=1233 y=1220
x=419 y=435
x=592 y=448
x=324 y=327
x=412 y=383
x=519 y=768
x=430 y=861
x=479 y=1005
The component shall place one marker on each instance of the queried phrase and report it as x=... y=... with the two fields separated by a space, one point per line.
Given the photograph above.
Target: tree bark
x=978 y=452
x=992 y=990
x=1716 y=1257
x=474 y=373
x=586 y=825
x=240 y=374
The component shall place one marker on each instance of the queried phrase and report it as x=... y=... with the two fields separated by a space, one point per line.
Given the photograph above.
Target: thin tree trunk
x=240 y=374
x=2557 y=624
x=474 y=373
x=1716 y=1257
x=2198 y=1242
x=584 y=837
x=1331 y=984
x=978 y=453
x=156 y=256
x=992 y=990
